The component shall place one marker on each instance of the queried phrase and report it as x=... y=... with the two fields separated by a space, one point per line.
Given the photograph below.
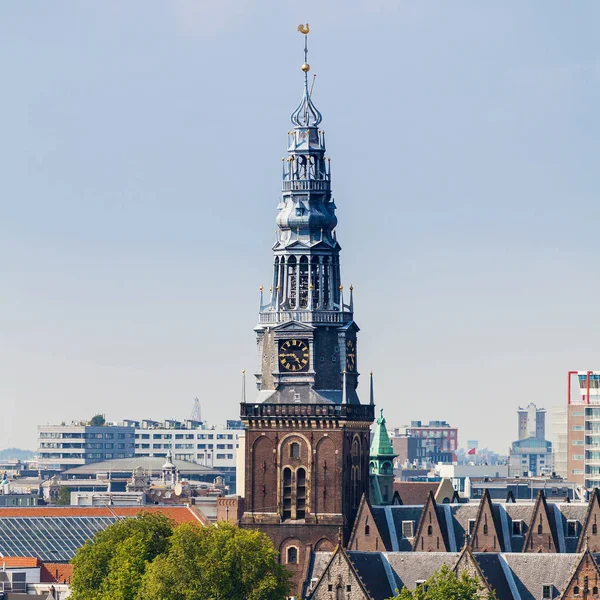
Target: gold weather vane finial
x=304 y=29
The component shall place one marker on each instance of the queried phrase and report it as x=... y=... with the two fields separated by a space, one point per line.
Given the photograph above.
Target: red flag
x=472 y=451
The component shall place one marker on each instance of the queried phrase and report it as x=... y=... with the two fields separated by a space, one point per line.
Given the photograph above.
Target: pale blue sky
x=140 y=151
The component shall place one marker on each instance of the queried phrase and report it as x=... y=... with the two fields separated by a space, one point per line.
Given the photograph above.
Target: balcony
x=305 y=316
x=351 y=412
x=306 y=185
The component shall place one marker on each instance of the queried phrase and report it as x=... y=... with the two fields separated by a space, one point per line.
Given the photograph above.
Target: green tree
x=222 y=562
x=445 y=585
x=97 y=420
x=64 y=496
x=112 y=565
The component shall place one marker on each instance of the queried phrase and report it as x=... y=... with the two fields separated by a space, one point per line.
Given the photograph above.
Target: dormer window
x=408 y=529
x=517 y=527
x=571 y=528
x=471 y=526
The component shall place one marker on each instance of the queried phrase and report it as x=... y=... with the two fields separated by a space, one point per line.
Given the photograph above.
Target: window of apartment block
x=571 y=528
x=408 y=529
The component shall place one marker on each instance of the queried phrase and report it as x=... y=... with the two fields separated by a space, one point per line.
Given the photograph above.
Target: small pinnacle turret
x=381 y=463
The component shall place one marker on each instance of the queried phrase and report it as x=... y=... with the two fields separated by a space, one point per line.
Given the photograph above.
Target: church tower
x=307 y=434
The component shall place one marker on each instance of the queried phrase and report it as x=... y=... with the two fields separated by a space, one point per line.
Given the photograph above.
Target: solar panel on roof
x=51 y=539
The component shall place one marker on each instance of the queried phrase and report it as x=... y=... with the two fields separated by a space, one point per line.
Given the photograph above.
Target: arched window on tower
x=315 y=281
x=275 y=276
x=294 y=450
x=339 y=592
x=287 y=494
x=300 y=493
x=326 y=294
x=303 y=282
x=291 y=282
x=292 y=555
x=355 y=485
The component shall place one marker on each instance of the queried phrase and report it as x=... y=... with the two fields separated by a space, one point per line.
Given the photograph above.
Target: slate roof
x=504 y=516
x=531 y=571
x=370 y=568
x=491 y=568
x=523 y=572
x=399 y=513
x=412 y=567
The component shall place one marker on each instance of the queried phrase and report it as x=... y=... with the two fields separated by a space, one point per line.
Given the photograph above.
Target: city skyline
x=134 y=240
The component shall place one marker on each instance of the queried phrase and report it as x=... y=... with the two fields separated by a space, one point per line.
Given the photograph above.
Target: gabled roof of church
x=593 y=508
x=541 y=507
x=485 y=505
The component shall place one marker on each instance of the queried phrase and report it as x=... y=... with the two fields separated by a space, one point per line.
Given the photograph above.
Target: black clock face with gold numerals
x=294 y=355
x=350 y=355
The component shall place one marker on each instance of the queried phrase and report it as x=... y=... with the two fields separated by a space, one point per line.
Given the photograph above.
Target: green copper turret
x=381 y=464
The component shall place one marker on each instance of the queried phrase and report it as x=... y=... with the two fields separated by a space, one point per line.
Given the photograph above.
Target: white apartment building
x=194 y=441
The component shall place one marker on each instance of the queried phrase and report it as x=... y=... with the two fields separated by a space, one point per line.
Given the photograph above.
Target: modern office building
x=531 y=454
x=583 y=428
x=432 y=443
x=65 y=446
x=560 y=441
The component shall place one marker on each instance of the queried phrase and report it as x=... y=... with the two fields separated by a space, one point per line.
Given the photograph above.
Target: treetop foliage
x=446 y=585
x=97 y=420
x=152 y=559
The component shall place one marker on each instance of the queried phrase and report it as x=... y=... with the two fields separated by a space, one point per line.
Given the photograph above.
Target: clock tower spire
x=307 y=434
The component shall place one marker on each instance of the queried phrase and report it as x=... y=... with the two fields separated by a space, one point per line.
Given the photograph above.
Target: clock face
x=350 y=355
x=294 y=355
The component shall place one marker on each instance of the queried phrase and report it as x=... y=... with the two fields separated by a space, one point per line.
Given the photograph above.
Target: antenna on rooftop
x=196 y=412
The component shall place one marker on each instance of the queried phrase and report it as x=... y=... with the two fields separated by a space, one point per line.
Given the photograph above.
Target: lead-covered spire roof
x=306 y=115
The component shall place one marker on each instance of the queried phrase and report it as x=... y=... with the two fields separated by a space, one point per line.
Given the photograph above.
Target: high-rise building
x=532 y=422
x=531 y=454
x=307 y=434
x=583 y=428
x=560 y=441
